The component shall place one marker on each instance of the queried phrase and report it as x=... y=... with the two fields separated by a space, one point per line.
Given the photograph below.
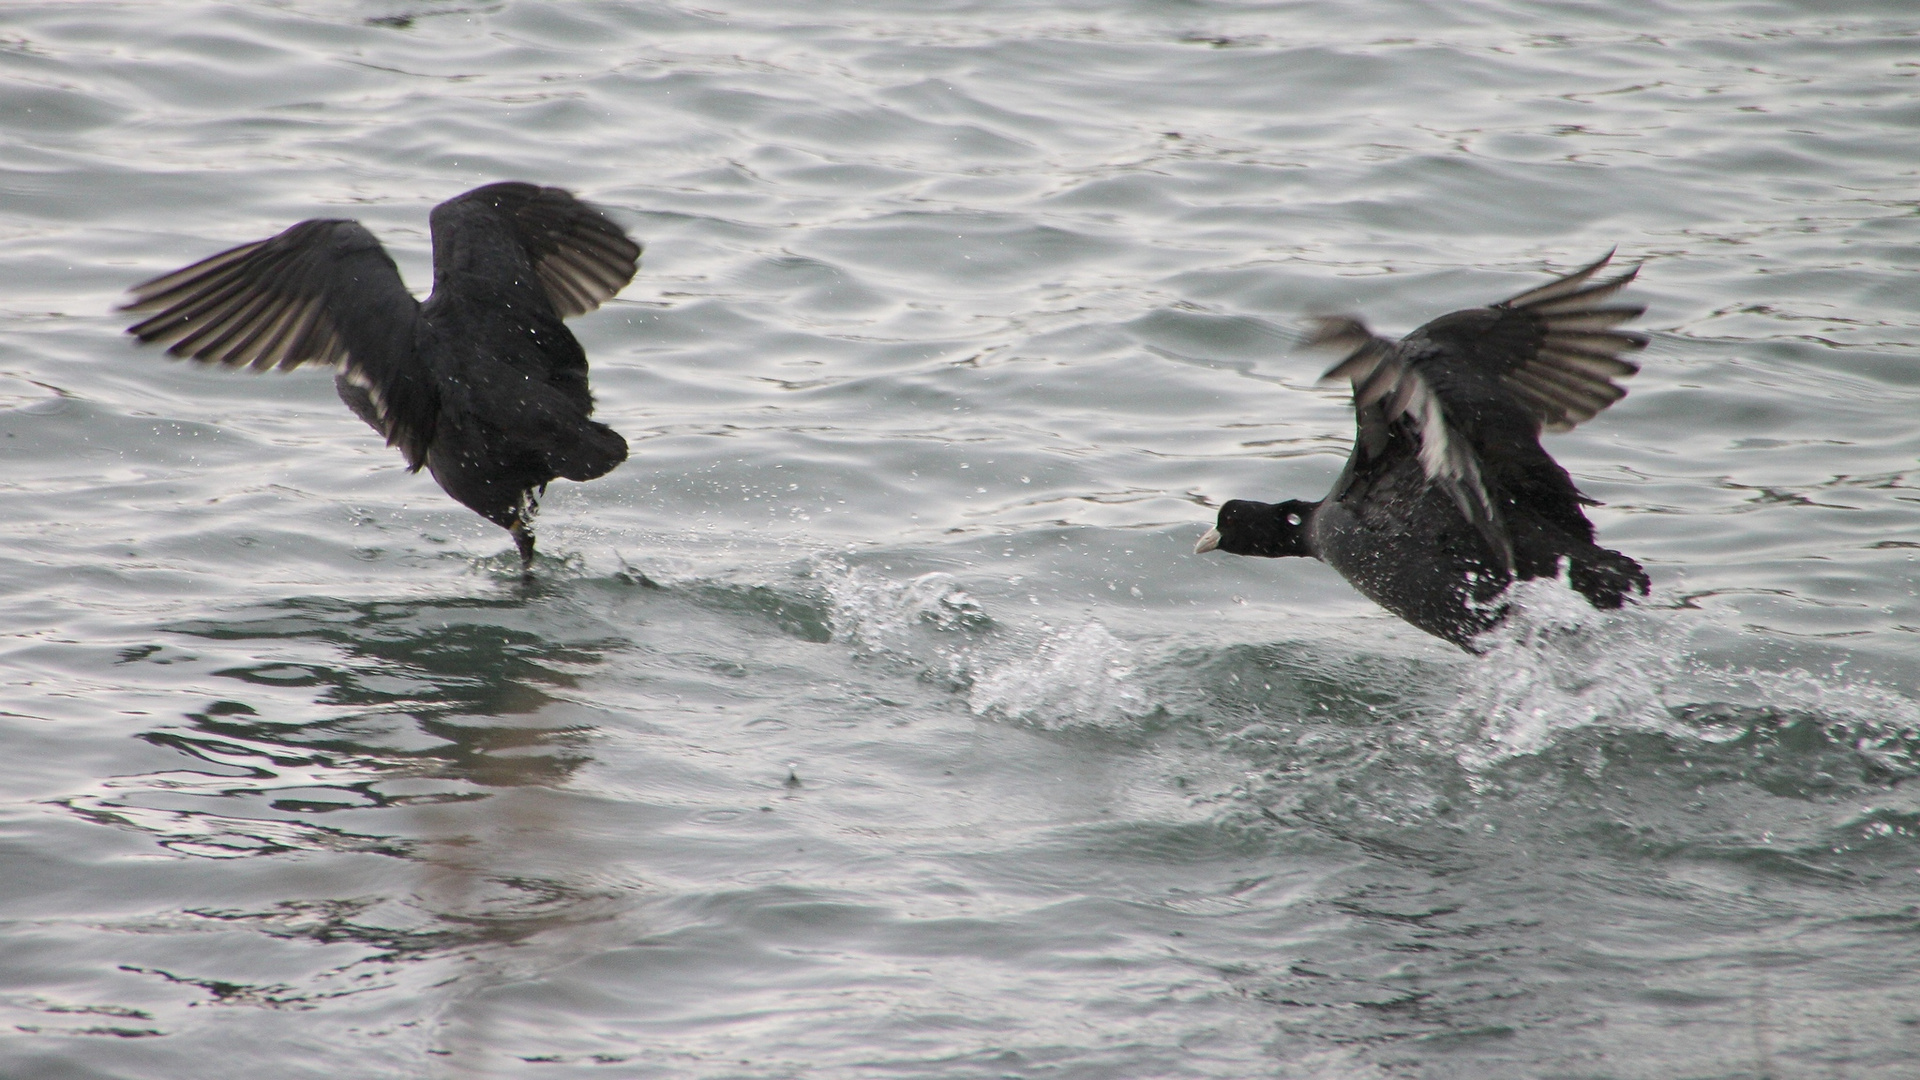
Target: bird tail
x=590 y=449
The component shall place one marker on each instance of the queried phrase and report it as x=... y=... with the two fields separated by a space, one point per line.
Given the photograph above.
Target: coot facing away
x=1448 y=497
x=482 y=384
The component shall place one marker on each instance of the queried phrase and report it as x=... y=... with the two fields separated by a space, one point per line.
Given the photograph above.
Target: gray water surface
x=937 y=753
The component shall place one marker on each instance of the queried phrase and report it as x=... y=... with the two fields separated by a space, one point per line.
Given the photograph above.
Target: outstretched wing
x=1556 y=348
x=1552 y=352
x=322 y=292
x=579 y=257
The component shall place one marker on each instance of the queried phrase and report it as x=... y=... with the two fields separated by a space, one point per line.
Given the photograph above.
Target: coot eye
x=1293 y=519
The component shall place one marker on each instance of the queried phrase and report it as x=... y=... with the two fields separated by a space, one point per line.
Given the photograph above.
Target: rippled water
x=936 y=753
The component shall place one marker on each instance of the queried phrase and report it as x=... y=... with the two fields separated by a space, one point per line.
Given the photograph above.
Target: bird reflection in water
x=436 y=733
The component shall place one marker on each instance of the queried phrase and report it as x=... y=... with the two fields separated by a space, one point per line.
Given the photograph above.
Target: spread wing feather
x=322 y=292
x=1567 y=377
x=579 y=255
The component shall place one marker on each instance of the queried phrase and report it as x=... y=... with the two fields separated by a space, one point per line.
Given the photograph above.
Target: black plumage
x=482 y=384
x=1448 y=497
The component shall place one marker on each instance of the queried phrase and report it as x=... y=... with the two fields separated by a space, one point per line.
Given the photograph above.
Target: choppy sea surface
x=935 y=753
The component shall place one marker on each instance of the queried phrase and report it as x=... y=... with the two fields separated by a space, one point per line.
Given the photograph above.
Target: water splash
x=1056 y=677
x=880 y=615
x=1558 y=666
x=1074 y=676
x=924 y=623
x=1555 y=665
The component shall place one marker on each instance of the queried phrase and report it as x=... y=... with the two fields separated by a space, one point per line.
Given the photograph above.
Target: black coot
x=482 y=384
x=1448 y=497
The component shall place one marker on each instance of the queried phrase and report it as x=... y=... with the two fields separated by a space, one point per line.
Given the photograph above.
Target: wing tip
x=1574 y=285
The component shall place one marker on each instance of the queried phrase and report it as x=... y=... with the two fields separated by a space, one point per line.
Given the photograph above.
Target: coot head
x=1273 y=530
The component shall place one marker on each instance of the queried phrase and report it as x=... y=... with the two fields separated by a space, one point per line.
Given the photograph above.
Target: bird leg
x=520 y=523
x=523 y=536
